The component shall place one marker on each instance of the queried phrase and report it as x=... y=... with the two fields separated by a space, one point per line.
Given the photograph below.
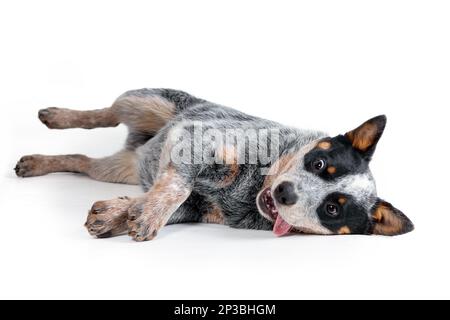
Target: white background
x=316 y=64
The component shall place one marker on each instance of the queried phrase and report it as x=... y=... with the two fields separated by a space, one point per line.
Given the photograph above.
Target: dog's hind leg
x=144 y=111
x=118 y=168
x=61 y=118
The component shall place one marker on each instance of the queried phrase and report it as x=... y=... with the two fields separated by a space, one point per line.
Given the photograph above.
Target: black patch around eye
x=340 y=158
x=318 y=165
x=351 y=217
x=332 y=210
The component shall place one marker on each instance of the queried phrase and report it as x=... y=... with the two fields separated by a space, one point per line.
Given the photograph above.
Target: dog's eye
x=332 y=210
x=319 y=165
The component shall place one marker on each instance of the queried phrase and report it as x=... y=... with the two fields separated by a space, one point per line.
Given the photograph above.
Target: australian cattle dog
x=198 y=161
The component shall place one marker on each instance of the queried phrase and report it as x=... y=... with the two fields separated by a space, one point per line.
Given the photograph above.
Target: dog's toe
x=105 y=235
x=141 y=229
x=43 y=113
x=97 y=225
x=23 y=168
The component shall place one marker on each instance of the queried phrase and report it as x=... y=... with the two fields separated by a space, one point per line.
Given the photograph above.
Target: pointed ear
x=366 y=136
x=389 y=221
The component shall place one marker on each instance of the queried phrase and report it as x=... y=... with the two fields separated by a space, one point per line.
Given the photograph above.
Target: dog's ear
x=389 y=221
x=365 y=138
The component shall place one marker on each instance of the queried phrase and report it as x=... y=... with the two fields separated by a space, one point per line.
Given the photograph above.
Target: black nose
x=285 y=193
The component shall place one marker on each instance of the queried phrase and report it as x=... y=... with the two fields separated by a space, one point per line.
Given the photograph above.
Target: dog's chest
x=236 y=197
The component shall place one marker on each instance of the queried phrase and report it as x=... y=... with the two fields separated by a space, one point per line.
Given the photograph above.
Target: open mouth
x=267 y=204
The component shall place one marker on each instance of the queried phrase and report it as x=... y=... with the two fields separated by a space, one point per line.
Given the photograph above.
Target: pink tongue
x=281 y=227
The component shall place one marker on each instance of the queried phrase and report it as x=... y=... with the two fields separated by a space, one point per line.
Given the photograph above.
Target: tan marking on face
x=344 y=230
x=215 y=215
x=342 y=200
x=281 y=166
x=387 y=223
x=378 y=215
x=324 y=145
x=363 y=137
x=331 y=170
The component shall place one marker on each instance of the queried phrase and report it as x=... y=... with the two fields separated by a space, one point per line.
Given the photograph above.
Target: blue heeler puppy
x=286 y=180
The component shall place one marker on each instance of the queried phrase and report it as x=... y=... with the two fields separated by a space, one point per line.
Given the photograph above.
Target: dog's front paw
x=108 y=218
x=30 y=166
x=141 y=226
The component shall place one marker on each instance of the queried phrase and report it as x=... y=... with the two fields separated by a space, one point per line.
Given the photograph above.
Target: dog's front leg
x=153 y=211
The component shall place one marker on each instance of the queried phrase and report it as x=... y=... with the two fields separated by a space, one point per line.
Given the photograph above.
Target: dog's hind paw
x=54 y=118
x=29 y=166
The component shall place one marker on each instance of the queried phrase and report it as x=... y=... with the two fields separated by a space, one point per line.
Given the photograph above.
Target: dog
x=311 y=182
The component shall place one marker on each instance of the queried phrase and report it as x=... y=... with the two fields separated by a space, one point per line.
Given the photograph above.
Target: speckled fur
x=195 y=192
x=236 y=198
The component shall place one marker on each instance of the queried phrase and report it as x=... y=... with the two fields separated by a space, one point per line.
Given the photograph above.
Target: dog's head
x=326 y=187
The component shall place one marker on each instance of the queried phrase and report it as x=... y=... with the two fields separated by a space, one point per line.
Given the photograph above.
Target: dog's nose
x=285 y=193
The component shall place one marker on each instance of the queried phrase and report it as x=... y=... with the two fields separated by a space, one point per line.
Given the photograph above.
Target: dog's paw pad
x=141 y=233
x=105 y=235
x=98 y=225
